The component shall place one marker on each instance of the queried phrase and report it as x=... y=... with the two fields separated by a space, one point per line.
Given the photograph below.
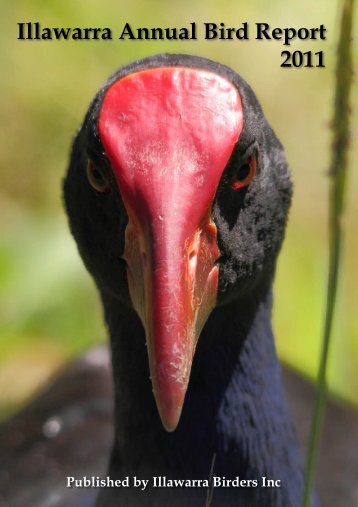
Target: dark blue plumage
x=234 y=409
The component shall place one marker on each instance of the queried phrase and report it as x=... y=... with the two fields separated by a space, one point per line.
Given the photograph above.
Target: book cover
x=158 y=135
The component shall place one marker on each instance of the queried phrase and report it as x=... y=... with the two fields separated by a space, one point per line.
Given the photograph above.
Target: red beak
x=169 y=133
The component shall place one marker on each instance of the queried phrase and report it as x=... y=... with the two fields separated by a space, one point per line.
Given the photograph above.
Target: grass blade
x=337 y=174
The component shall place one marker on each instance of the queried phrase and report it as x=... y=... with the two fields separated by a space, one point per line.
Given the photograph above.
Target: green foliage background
x=49 y=309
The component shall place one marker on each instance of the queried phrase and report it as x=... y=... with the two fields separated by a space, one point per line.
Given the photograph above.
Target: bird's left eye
x=245 y=173
x=96 y=178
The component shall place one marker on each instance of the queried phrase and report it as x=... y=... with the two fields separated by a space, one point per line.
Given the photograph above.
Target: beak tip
x=169 y=420
x=169 y=413
x=170 y=429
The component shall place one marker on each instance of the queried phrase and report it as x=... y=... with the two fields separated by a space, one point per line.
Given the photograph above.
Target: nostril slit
x=193 y=257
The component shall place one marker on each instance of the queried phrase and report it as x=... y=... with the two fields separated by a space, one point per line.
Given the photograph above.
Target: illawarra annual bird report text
x=162 y=481
x=209 y=31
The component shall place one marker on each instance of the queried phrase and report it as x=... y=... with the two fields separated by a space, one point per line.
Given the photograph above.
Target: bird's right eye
x=96 y=178
x=245 y=173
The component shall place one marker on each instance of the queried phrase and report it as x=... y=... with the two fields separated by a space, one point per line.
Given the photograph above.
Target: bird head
x=177 y=193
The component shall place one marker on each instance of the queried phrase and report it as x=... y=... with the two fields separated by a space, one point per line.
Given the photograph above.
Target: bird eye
x=244 y=174
x=96 y=178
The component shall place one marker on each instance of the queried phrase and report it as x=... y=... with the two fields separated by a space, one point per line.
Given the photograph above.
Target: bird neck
x=235 y=408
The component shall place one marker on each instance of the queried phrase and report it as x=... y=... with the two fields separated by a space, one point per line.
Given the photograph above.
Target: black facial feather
x=251 y=220
x=97 y=220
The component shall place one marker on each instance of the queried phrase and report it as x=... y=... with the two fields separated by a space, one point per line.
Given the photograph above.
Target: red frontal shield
x=169 y=133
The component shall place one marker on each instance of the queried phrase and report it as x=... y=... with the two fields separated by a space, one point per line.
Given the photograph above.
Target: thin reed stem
x=337 y=174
